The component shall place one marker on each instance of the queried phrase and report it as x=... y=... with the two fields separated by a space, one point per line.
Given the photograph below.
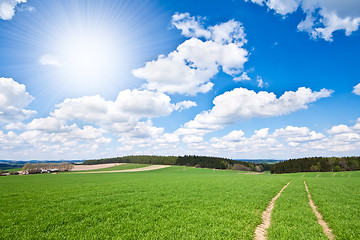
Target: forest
x=317 y=164
x=187 y=160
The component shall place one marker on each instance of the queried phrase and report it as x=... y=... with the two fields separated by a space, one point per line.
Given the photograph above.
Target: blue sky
x=234 y=78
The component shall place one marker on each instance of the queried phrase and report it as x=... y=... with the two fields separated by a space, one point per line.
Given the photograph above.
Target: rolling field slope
x=175 y=203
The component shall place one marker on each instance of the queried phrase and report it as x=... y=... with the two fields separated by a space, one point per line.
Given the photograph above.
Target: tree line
x=187 y=160
x=317 y=164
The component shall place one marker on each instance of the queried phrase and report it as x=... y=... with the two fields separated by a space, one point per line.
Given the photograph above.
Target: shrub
x=314 y=168
x=337 y=168
x=257 y=169
x=241 y=167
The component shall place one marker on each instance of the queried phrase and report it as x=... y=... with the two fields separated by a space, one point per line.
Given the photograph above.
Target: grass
x=337 y=196
x=171 y=203
x=176 y=203
x=13 y=170
x=292 y=217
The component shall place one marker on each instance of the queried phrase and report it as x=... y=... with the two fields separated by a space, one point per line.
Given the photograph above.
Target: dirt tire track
x=148 y=168
x=95 y=166
x=322 y=223
x=260 y=231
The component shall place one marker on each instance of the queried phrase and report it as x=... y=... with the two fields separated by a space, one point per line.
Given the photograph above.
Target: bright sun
x=86 y=57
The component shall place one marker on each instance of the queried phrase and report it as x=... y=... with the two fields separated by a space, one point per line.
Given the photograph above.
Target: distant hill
x=5 y=166
x=258 y=161
x=9 y=164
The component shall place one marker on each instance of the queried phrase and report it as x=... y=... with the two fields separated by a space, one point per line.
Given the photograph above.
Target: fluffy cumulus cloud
x=13 y=101
x=189 y=69
x=72 y=141
x=7 y=8
x=294 y=135
x=242 y=103
x=323 y=17
x=357 y=89
x=130 y=106
x=184 y=105
x=128 y=116
x=83 y=123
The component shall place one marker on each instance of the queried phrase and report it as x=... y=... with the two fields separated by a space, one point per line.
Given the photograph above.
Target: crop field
x=176 y=203
x=337 y=196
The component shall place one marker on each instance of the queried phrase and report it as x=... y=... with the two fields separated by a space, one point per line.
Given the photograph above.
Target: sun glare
x=87 y=56
x=83 y=51
x=90 y=47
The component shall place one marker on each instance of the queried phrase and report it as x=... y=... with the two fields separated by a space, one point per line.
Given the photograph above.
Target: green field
x=176 y=203
x=13 y=170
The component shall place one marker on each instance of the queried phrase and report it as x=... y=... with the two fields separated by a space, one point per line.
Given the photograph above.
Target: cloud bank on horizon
x=175 y=87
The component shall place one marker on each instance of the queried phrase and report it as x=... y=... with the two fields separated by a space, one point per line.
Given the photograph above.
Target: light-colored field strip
x=148 y=168
x=251 y=173
x=95 y=166
x=260 y=231
x=323 y=224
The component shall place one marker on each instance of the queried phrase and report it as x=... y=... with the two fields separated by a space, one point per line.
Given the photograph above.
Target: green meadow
x=176 y=203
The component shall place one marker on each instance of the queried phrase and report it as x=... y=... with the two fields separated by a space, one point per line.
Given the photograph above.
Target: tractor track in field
x=95 y=166
x=261 y=230
x=322 y=223
x=148 y=168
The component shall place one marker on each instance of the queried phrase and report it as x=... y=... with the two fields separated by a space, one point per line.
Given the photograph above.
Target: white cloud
x=340 y=129
x=357 y=89
x=234 y=136
x=121 y=117
x=53 y=139
x=242 y=103
x=357 y=125
x=261 y=83
x=192 y=139
x=168 y=138
x=48 y=124
x=184 y=105
x=190 y=26
x=243 y=77
x=262 y=133
x=7 y=8
x=13 y=100
x=323 y=17
x=290 y=141
x=130 y=105
x=262 y=143
x=189 y=69
x=144 y=103
x=87 y=109
x=145 y=130
x=49 y=60
x=283 y=7
x=298 y=134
